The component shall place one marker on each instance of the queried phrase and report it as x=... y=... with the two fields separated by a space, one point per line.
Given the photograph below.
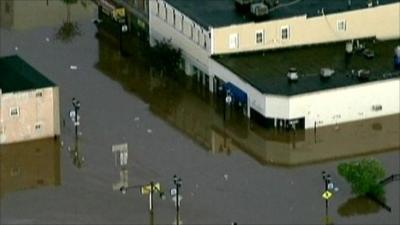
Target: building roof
x=267 y=70
x=218 y=13
x=17 y=75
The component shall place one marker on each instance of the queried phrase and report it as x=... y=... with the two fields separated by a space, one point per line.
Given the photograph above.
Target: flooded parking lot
x=232 y=169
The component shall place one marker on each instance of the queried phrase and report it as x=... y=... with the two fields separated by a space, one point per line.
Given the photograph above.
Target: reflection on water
x=29 y=14
x=29 y=165
x=187 y=105
x=358 y=206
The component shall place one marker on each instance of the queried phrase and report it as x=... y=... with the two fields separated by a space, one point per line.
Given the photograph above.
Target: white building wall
x=187 y=36
x=276 y=106
x=330 y=107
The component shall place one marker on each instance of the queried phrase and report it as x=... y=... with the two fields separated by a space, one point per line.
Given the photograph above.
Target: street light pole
x=178 y=183
x=76 y=105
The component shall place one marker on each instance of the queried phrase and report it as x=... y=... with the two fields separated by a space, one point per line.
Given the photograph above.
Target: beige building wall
x=36 y=115
x=382 y=22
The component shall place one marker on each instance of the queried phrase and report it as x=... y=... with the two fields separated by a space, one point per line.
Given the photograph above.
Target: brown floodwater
x=29 y=165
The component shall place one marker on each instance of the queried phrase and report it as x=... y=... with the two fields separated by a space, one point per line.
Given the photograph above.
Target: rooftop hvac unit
x=363 y=74
x=292 y=74
x=259 y=9
x=326 y=72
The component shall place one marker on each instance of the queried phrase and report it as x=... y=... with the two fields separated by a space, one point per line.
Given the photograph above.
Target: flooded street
x=233 y=170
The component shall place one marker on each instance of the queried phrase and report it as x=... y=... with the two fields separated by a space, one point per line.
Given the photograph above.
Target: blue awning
x=236 y=93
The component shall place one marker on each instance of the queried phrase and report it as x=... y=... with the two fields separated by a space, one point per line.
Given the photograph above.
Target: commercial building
x=29 y=103
x=341 y=54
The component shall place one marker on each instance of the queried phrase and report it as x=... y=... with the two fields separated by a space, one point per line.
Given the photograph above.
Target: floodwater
x=232 y=170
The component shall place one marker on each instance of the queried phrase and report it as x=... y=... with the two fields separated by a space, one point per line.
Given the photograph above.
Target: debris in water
x=16 y=48
x=73 y=67
x=137 y=118
x=226 y=176
x=149 y=131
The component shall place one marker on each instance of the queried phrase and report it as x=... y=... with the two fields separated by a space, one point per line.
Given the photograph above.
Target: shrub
x=364 y=176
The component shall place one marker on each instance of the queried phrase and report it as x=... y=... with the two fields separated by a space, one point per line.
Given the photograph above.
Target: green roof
x=267 y=70
x=17 y=75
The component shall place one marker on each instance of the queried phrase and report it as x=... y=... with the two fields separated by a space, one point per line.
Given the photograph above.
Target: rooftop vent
x=363 y=74
x=349 y=47
x=368 y=53
x=397 y=58
x=292 y=74
x=259 y=9
x=326 y=73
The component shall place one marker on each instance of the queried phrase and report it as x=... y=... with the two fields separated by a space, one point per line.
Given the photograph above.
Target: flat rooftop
x=17 y=75
x=219 y=13
x=267 y=70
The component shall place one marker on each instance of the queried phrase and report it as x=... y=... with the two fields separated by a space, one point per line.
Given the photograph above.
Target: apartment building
x=29 y=103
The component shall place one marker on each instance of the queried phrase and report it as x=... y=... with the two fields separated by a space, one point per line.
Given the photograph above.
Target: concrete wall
x=382 y=21
x=184 y=34
x=38 y=115
x=347 y=103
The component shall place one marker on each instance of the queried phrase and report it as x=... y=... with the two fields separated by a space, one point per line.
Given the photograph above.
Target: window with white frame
x=234 y=40
x=14 y=111
x=285 y=33
x=341 y=25
x=259 y=37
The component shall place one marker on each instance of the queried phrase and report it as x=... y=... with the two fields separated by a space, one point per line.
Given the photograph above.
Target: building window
x=191 y=31
x=165 y=12
x=234 y=40
x=341 y=25
x=14 y=111
x=377 y=108
x=181 y=23
x=158 y=8
x=39 y=94
x=259 y=37
x=205 y=41
x=38 y=127
x=285 y=33
x=173 y=17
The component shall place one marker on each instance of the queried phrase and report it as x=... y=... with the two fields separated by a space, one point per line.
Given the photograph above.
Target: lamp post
x=178 y=184
x=123 y=29
x=328 y=186
x=76 y=104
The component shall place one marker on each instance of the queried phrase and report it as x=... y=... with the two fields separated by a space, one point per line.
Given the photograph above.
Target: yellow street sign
x=119 y=13
x=145 y=190
x=327 y=195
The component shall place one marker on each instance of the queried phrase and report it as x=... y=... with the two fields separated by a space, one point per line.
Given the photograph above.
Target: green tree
x=165 y=57
x=364 y=176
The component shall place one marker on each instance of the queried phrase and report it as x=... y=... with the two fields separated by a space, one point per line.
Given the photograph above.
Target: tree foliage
x=165 y=57
x=364 y=176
